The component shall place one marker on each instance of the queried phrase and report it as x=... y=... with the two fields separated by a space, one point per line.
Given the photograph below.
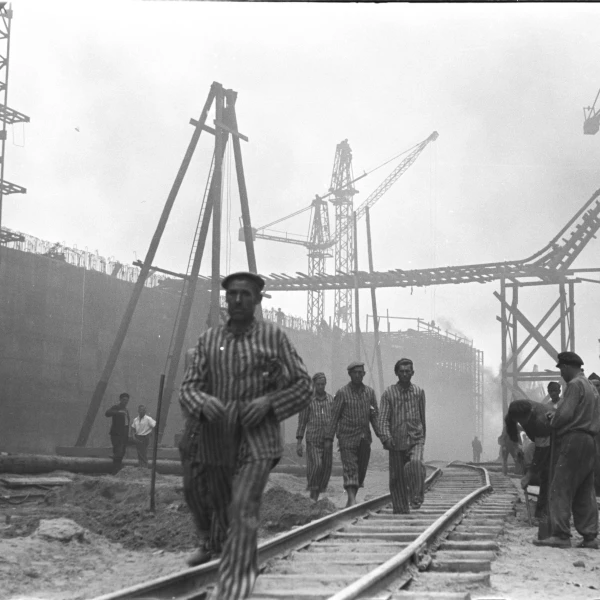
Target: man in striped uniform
x=245 y=377
x=354 y=406
x=315 y=419
x=402 y=424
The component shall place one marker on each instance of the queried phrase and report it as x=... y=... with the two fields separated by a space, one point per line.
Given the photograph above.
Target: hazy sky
x=504 y=85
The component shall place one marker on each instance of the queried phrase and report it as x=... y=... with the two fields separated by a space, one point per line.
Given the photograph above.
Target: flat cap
x=253 y=277
x=355 y=364
x=569 y=358
x=593 y=377
x=319 y=375
x=123 y=395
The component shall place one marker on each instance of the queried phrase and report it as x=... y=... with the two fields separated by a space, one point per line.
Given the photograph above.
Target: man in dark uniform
x=576 y=423
x=119 y=430
x=244 y=379
x=354 y=406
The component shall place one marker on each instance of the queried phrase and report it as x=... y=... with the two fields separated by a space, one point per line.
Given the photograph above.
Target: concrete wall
x=57 y=324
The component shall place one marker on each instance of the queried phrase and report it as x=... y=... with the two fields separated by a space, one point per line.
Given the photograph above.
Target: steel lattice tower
x=317 y=253
x=343 y=192
x=8 y=116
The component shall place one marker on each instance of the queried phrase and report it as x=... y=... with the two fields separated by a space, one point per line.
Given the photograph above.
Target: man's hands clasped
x=251 y=414
x=213 y=409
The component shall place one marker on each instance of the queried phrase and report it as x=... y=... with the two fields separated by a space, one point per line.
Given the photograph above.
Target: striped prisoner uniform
x=402 y=420
x=315 y=419
x=237 y=368
x=353 y=410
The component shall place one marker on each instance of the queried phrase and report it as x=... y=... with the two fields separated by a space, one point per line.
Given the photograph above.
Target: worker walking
x=314 y=420
x=477 y=449
x=245 y=377
x=532 y=417
x=576 y=422
x=354 y=407
x=403 y=430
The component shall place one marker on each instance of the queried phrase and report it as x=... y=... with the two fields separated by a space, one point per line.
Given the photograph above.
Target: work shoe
x=553 y=542
x=201 y=556
x=592 y=543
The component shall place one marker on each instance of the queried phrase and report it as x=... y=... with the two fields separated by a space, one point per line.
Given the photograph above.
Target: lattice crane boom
x=591 y=118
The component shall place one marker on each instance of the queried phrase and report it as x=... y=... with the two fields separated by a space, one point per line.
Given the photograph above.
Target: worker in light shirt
x=142 y=427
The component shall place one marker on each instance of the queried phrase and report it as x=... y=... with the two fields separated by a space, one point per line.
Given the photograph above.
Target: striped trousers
x=238 y=568
x=355 y=461
x=318 y=466
x=407 y=478
x=207 y=492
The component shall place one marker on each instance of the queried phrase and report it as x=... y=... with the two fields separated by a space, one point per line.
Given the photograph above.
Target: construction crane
x=591 y=118
x=319 y=241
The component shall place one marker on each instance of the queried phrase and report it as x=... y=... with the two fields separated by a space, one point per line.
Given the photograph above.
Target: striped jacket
x=236 y=369
x=402 y=416
x=315 y=419
x=352 y=412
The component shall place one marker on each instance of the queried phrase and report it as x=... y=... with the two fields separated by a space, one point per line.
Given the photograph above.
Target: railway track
x=442 y=550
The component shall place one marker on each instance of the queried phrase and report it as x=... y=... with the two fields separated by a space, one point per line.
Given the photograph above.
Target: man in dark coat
x=119 y=430
x=576 y=423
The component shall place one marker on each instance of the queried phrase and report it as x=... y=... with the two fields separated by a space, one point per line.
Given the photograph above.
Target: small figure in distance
x=477 y=449
x=142 y=428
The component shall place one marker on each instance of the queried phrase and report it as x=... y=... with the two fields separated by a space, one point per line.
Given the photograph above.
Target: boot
x=553 y=542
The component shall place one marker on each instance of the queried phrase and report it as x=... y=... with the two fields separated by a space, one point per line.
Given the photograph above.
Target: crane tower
x=343 y=194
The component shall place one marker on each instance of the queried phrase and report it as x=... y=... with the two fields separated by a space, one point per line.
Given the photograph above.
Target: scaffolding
x=8 y=116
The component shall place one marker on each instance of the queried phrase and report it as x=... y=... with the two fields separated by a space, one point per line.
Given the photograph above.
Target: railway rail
x=440 y=550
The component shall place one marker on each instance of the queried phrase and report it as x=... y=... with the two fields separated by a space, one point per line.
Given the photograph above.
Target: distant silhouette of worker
x=477 y=449
x=142 y=428
x=280 y=317
x=403 y=428
x=576 y=423
x=119 y=430
x=354 y=407
x=314 y=420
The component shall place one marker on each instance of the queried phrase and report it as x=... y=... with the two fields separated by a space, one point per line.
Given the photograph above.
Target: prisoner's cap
x=257 y=280
x=594 y=377
x=569 y=358
x=355 y=365
x=319 y=375
x=124 y=395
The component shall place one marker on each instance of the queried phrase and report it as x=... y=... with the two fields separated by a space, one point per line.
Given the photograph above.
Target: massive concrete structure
x=58 y=322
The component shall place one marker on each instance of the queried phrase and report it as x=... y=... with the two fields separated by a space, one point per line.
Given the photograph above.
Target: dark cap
x=594 y=377
x=355 y=364
x=257 y=280
x=124 y=395
x=319 y=375
x=569 y=358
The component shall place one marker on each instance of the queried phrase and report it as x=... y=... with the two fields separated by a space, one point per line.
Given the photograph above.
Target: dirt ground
x=124 y=544
x=523 y=571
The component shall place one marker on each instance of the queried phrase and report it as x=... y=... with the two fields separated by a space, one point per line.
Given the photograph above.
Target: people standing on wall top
x=119 y=430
